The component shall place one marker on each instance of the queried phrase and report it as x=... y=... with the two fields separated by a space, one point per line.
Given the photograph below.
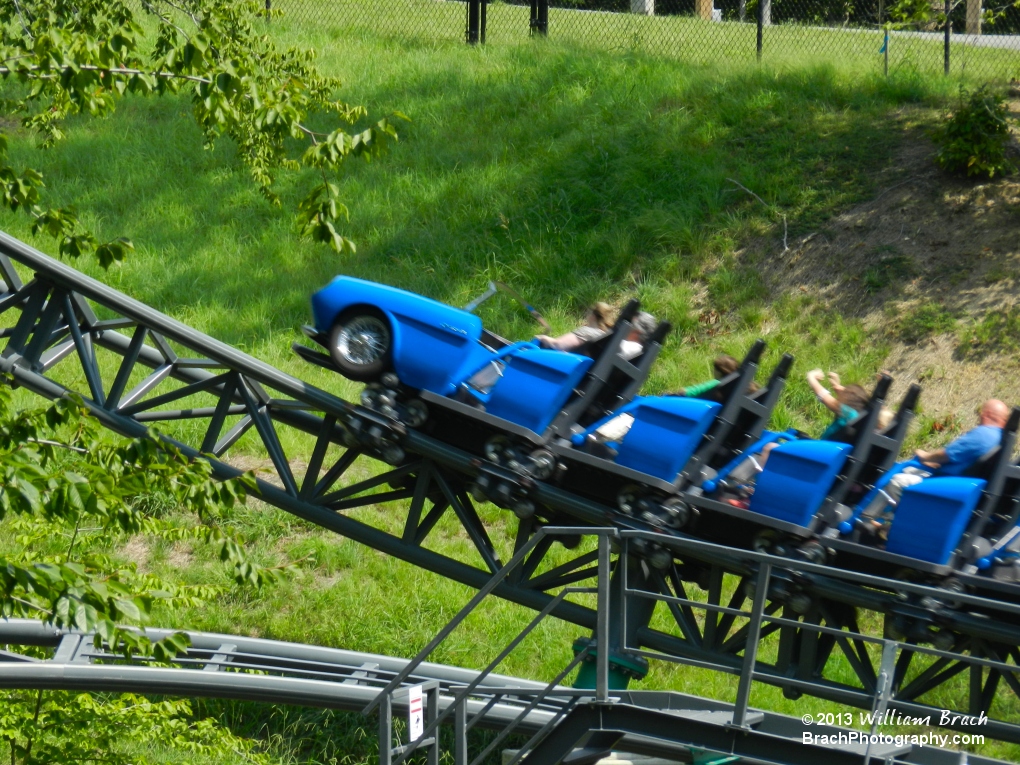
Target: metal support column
x=604 y=644
x=460 y=749
x=751 y=647
x=386 y=730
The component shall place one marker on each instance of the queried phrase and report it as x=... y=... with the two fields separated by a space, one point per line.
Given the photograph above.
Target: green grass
x=996 y=331
x=925 y=320
x=576 y=175
x=889 y=271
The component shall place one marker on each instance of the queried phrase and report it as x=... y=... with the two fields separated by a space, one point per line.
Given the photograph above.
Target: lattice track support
x=818 y=643
x=139 y=367
x=142 y=368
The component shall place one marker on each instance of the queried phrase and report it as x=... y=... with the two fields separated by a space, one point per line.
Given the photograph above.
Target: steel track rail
x=218 y=666
x=56 y=323
x=225 y=666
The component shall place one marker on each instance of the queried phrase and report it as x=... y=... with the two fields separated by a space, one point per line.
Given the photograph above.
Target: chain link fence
x=975 y=39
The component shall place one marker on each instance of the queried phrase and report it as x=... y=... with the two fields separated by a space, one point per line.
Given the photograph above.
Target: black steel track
x=167 y=372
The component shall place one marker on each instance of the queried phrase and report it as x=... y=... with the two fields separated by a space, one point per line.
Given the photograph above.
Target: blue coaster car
x=673 y=443
x=807 y=488
x=370 y=329
x=426 y=362
x=946 y=525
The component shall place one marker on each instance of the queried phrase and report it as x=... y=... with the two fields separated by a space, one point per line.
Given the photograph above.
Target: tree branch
x=29 y=604
x=123 y=71
x=185 y=11
x=151 y=8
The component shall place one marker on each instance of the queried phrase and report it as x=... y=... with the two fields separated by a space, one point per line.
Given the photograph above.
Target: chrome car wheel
x=364 y=341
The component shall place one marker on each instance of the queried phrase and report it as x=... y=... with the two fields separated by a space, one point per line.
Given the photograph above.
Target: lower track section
x=561 y=722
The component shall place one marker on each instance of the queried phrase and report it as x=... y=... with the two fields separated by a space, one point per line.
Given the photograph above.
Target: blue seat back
x=797 y=478
x=932 y=516
x=535 y=386
x=665 y=433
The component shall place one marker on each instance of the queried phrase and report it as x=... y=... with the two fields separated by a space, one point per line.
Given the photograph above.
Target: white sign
x=415 y=713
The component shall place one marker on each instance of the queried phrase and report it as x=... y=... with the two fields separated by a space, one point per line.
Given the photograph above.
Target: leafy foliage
x=62 y=479
x=80 y=56
x=60 y=476
x=65 y=727
x=56 y=468
x=975 y=138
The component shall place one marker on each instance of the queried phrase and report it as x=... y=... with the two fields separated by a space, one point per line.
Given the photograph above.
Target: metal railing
x=882 y=696
x=613 y=600
x=552 y=697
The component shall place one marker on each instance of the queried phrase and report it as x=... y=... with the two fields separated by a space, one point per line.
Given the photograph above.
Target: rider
x=953 y=459
x=598 y=322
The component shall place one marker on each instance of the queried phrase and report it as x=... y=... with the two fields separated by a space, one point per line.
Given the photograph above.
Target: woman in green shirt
x=722 y=367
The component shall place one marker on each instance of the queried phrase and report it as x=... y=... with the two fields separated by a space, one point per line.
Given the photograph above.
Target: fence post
x=474 y=21
x=540 y=17
x=761 y=24
x=949 y=32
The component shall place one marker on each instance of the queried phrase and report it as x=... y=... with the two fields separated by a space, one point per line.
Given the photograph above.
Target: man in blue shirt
x=955 y=457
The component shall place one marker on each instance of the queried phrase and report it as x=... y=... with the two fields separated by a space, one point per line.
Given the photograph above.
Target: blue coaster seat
x=931 y=517
x=666 y=432
x=534 y=387
x=797 y=478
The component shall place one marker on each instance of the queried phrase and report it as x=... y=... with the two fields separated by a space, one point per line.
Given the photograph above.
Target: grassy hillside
x=575 y=175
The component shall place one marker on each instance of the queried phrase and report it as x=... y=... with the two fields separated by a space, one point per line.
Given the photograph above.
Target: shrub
x=974 y=140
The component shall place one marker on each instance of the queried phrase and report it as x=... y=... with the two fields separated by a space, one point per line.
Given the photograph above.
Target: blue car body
x=435 y=346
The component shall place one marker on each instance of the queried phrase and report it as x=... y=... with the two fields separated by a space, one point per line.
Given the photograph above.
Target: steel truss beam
x=57 y=326
x=167 y=372
x=819 y=641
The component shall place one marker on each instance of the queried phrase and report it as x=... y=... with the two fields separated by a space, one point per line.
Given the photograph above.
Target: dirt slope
x=932 y=263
